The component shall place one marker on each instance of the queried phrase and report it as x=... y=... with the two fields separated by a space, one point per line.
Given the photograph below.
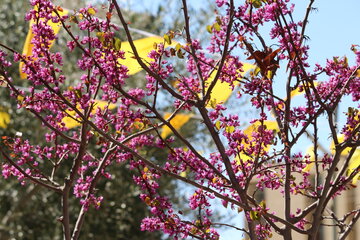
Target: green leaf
x=4 y=119
x=254 y=215
x=217 y=26
x=139 y=125
x=213 y=102
x=178 y=47
x=100 y=36
x=167 y=39
x=91 y=11
x=78 y=93
x=180 y=54
x=256 y=71
x=230 y=129
x=262 y=204
x=218 y=20
x=117 y=44
x=257 y=3
x=209 y=28
x=218 y=125
x=269 y=74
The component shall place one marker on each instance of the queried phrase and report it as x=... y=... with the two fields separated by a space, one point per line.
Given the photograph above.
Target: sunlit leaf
x=91 y=11
x=354 y=161
x=167 y=39
x=310 y=153
x=353 y=165
x=179 y=54
x=222 y=90
x=28 y=46
x=143 y=46
x=218 y=125
x=71 y=123
x=217 y=27
x=100 y=36
x=262 y=204
x=254 y=215
x=230 y=129
x=256 y=3
x=139 y=125
x=268 y=124
x=4 y=119
x=117 y=44
x=178 y=46
x=358 y=73
x=177 y=122
x=300 y=90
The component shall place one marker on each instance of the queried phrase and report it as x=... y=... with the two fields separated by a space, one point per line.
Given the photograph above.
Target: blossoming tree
x=261 y=152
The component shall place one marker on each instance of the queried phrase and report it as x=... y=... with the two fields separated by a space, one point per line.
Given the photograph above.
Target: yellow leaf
x=102 y=104
x=222 y=90
x=139 y=125
x=358 y=73
x=269 y=74
x=91 y=11
x=2 y=81
x=20 y=98
x=177 y=122
x=178 y=46
x=354 y=161
x=4 y=119
x=117 y=44
x=353 y=165
x=179 y=54
x=143 y=47
x=270 y=125
x=255 y=72
x=310 y=152
x=217 y=27
x=230 y=129
x=28 y=46
x=341 y=139
x=218 y=125
x=297 y=90
x=71 y=123
x=167 y=39
x=243 y=157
